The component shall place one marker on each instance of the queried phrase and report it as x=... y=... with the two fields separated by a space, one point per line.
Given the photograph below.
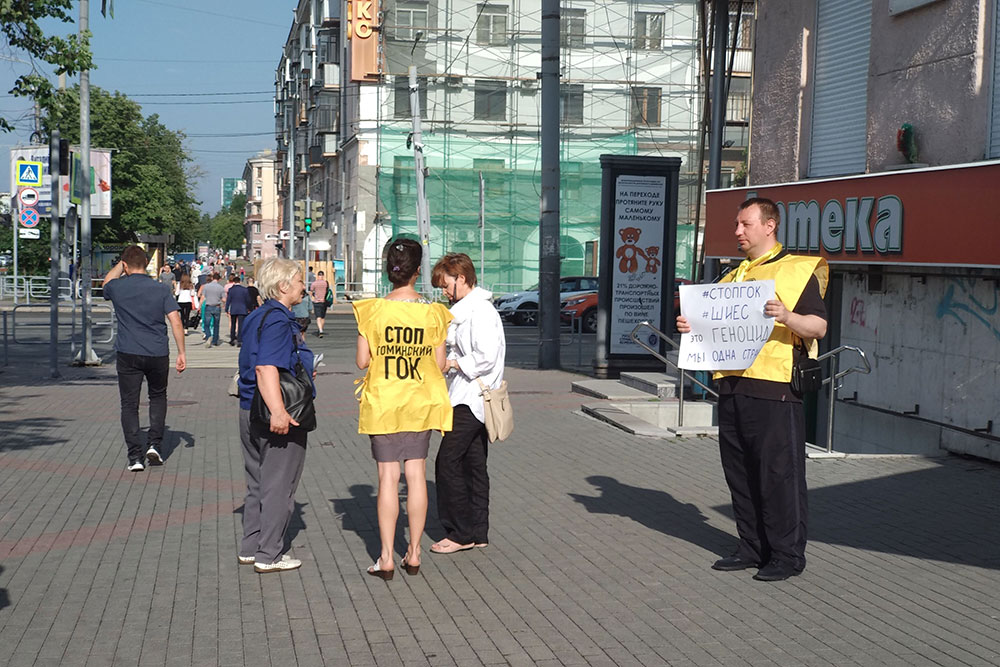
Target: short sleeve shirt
x=141 y=307
x=279 y=344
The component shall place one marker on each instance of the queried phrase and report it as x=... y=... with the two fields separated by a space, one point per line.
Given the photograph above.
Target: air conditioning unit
x=466 y=235
x=453 y=81
x=529 y=84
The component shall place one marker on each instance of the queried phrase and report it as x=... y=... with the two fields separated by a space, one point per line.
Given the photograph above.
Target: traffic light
x=300 y=213
x=309 y=225
x=317 y=213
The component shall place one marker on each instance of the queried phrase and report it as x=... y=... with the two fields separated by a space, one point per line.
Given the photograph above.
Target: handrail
x=832 y=379
x=682 y=377
x=834 y=357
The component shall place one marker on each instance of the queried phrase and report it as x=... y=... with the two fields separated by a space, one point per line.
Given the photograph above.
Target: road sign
x=28 y=197
x=29 y=173
x=29 y=217
x=29 y=233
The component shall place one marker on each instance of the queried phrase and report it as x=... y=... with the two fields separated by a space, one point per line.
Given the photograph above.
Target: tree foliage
x=151 y=180
x=19 y=22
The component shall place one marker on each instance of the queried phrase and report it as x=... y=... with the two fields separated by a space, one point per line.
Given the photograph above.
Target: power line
x=198 y=61
x=250 y=92
x=231 y=17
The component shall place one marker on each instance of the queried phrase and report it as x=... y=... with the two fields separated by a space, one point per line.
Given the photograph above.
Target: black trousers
x=185 y=313
x=132 y=368
x=463 y=483
x=762 y=445
x=236 y=327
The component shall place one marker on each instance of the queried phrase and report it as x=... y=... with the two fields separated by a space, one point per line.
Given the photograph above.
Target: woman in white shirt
x=187 y=298
x=476 y=351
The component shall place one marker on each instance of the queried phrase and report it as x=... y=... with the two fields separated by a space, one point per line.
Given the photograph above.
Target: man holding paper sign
x=761 y=421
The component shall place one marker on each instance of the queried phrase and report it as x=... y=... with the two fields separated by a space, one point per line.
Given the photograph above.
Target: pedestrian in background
x=237 y=306
x=301 y=311
x=318 y=294
x=187 y=299
x=254 y=294
x=212 y=294
x=402 y=399
x=142 y=308
x=167 y=277
x=274 y=453
x=476 y=352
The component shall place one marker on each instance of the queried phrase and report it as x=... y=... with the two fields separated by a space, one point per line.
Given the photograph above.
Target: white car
x=522 y=307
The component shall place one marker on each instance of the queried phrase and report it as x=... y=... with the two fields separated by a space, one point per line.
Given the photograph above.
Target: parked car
x=521 y=308
x=584 y=306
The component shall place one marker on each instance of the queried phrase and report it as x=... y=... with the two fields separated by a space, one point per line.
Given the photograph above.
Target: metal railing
x=833 y=378
x=682 y=376
x=109 y=323
x=37 y=288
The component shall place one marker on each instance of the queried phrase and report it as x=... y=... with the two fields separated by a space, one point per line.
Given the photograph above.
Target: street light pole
x=87 y=356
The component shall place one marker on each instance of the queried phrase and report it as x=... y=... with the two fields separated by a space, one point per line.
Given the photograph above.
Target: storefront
x=915 y=282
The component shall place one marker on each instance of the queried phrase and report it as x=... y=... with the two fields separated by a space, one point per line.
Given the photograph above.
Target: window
x=256 y=228
x=404 y=176
x=410 y=19
x=645 y=106
x=328 y=47
x=744 y=29
x=401 y=97
x=571 y=104
x=260 y=171
x=494 y=180
x=260 y=192
x=572 y=27
x=491 y=29
x=491 y=100
x=738 y=102
x=648 y=31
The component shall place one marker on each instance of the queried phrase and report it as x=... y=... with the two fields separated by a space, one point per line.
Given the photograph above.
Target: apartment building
x=875 y=125
x=630 y=86
x=263 y=214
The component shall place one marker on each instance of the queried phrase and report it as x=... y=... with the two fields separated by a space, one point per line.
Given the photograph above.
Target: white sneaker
x=135 y=466
x=154 y=457
x=286 y=562
x=245 y=560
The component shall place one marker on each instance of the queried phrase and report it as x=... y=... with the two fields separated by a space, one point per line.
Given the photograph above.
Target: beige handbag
x=499 y=412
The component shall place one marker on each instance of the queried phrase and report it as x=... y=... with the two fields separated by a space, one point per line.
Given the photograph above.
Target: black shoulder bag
x=807 y=373
x=296 y=392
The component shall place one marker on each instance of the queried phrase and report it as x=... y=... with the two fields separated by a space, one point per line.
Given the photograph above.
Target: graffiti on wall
x=961 y=303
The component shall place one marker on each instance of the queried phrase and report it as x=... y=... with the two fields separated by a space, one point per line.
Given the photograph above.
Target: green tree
x=151 y=182
x=19 y=24
x=227 y=231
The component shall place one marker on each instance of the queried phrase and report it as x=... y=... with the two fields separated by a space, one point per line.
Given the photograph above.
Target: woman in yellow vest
x=401 y=341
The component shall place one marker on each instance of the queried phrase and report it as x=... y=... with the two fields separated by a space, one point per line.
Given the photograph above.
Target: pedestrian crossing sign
x=29 y=173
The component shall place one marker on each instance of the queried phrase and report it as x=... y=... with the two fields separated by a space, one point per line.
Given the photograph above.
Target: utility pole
x=423 y=215
x=482 y=227
x=54 y=253
x=292 y=169
x=721 y=19
x=548 y=247
x=87 y=356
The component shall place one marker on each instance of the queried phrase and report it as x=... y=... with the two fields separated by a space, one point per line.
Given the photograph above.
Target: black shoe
x=777 y=570
x=231 y=343
x=733 y=563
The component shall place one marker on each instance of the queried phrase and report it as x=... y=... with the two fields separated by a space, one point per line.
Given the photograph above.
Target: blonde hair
x=272 y=273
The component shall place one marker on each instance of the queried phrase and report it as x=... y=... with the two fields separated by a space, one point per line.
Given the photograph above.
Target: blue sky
x=155 y=48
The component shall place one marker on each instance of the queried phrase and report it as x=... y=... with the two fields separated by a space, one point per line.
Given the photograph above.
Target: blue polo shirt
x=280 y=339
x=141 y=307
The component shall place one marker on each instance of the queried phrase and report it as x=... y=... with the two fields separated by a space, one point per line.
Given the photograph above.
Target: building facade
x=630 y=85
x=876 y=126
x=263 y=214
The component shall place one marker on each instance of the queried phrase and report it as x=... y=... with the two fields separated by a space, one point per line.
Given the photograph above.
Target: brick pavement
x=599 y=553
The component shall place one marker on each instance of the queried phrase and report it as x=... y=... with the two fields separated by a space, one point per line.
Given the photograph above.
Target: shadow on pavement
x=4 y=597
x=172 y=439
x=28 y=433
x=296 y=524
x=945 y=513
x=657 y=510
x=359 y=515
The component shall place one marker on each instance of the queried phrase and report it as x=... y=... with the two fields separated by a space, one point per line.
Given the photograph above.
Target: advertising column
x=637 y=257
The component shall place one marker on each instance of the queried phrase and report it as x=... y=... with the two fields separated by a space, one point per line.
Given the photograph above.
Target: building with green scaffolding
x=629 y=86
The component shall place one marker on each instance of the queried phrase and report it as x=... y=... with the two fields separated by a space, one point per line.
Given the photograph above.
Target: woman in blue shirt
x=273 y=454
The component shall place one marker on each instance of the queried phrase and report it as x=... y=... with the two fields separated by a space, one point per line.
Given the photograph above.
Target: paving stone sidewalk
x=599 y=550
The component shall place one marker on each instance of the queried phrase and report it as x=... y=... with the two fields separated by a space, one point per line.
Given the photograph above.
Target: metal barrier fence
x=36 y=288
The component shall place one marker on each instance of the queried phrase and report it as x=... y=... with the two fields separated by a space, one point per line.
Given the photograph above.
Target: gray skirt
x=400 y=446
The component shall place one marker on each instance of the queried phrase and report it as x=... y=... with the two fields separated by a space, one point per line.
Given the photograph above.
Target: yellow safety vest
x=404 y=389
x=790 y=274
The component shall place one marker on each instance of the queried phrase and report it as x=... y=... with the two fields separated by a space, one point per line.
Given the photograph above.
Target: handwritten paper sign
x=728 y=325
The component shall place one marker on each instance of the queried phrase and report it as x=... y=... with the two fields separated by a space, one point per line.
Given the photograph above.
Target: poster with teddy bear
x=637 y=286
